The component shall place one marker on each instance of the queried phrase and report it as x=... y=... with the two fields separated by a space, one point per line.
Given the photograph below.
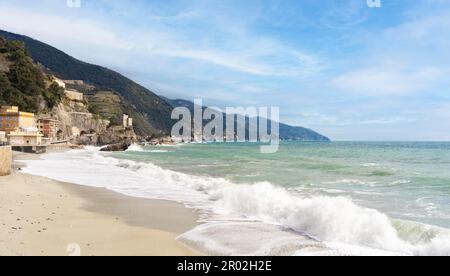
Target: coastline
x=243 y=219
x=40 y=216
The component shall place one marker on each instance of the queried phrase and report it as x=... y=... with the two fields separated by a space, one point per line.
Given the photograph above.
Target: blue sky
x=337 y=66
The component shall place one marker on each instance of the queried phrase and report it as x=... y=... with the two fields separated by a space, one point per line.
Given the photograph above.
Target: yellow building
x=11 y=119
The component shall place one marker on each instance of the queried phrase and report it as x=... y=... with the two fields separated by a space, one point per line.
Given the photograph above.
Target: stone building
x=127 y=121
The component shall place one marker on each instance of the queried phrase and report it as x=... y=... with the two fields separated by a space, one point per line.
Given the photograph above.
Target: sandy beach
x=39 y=216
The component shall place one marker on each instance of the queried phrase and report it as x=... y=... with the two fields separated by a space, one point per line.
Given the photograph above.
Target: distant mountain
x=287 y=132
x=151 y=113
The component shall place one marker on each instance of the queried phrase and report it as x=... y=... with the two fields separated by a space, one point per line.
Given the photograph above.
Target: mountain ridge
x=151 y=112
x=286 y=132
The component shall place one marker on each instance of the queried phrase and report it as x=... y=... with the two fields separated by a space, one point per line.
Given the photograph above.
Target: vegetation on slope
x=151 y=113
x=21 y=81
x=107 y=105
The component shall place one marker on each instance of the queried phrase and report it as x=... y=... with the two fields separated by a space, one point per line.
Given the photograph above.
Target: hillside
x=112 y=94
x=151 y=113
x=22 y=83
x=286 y=132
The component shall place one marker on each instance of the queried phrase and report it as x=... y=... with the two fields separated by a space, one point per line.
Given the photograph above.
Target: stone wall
x=74 y=95
x=74 y=120
x=5 y=160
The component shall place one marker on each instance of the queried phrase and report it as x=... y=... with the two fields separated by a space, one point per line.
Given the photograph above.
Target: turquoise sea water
x=406 y=180
x=338 y=198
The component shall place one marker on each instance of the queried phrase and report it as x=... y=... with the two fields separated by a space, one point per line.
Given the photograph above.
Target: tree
x=54 y=95
x=24 y=83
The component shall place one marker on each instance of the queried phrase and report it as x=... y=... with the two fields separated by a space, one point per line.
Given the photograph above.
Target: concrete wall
x=3 y=137
x=5 y=160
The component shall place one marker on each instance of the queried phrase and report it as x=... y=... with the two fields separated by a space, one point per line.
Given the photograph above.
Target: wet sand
x=40 y=216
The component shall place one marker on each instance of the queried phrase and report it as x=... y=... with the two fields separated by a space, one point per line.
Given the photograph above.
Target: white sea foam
x=370 y=165
x=341 y=226
x=139 y=148
x=399 y=182
x=135 y=147
x=353 y=182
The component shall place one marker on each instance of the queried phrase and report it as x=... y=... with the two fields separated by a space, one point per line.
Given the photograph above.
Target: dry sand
x=39 y=216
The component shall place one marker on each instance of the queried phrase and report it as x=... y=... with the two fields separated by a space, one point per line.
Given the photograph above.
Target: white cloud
x=389 y=79
x=405 y=59
x=316 y=118
x=59 y=29
x=242 y=53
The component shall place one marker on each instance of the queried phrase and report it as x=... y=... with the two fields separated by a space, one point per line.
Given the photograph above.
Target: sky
x=340 y=67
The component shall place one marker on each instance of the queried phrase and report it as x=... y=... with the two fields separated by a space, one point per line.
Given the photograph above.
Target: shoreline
x=40 y=216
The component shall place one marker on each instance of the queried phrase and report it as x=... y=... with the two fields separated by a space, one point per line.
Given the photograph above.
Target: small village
x=26 y=132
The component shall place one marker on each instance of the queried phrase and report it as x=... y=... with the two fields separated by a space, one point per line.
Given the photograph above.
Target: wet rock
x=117 y=147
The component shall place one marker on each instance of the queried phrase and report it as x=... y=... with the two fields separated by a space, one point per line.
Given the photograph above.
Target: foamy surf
x=253 y=218
x=138 y=148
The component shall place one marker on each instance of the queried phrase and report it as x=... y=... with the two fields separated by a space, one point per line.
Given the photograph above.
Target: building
x=127 y=121
x=60 y=82
x=3 y=139
x=49 y=128
x=11 y=119
x=74 y=95
x=74 y=82
x=25 y=138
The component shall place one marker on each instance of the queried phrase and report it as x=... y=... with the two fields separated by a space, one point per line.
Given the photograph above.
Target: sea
x=309 y=198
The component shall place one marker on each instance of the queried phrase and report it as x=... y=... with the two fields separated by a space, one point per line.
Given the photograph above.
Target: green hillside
x=22 y=83
x=151 y=113
x=109 y=93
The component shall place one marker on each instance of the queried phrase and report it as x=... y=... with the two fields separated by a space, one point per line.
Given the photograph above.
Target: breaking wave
x=336 y=223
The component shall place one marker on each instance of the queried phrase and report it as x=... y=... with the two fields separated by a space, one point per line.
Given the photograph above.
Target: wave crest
x=331 y=220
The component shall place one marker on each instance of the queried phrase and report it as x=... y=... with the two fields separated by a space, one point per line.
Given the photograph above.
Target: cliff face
x=77 y=121
x=79 y=126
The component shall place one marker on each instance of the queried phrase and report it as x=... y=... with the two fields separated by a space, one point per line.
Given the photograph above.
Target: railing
x=3 y=144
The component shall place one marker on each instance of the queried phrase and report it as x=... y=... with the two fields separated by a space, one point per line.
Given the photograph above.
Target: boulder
x=117 y=147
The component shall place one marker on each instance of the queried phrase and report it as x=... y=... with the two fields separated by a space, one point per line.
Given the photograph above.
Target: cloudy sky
x=346 y=70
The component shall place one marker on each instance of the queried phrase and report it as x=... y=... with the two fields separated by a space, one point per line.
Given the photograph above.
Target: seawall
x=5 y=160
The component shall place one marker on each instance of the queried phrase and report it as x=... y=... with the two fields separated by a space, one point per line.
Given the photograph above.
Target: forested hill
x=151 y=113
x=287 y=132
x=22 y=83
